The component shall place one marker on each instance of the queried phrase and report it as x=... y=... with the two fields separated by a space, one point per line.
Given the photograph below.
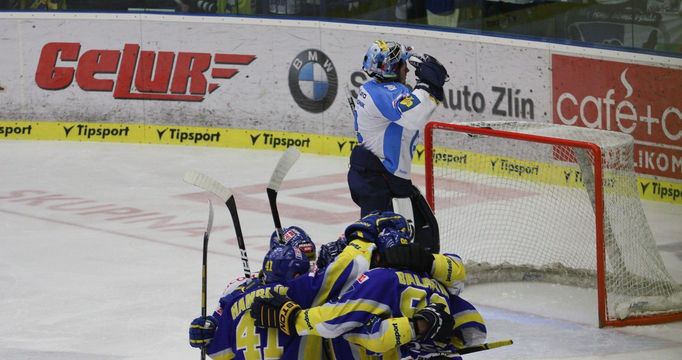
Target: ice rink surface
x=100 y=255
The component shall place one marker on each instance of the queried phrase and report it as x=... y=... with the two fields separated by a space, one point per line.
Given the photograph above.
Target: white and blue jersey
x=388 y=121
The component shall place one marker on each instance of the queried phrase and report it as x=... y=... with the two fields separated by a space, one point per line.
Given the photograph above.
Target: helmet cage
x=296 y=237
x=383 y=59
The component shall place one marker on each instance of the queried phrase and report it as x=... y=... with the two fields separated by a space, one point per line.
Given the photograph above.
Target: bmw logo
x=312 y=81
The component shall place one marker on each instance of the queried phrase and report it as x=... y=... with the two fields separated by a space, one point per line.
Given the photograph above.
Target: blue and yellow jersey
x=449 y=270
x=385 y=293
x=237 y=337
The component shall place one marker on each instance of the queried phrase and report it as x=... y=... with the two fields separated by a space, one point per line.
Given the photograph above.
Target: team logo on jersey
x=313 y=82
x=290 y=234
x=362 y=278
x=407 y=103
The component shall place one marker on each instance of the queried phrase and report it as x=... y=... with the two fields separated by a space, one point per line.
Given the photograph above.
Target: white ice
x=100 y=255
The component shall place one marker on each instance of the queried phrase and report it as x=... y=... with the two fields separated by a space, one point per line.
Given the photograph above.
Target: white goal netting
x=521 y=210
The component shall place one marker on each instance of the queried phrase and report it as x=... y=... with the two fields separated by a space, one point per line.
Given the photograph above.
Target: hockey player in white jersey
x=388 y=120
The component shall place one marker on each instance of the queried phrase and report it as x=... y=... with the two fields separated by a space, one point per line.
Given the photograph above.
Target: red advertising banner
x=155 y=75
x=643 y=101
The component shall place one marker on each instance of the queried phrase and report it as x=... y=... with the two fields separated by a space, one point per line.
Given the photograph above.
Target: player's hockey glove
x=369 y=227
x=431 y=75
x=431 y=350
x=329 y=252
x=412 y=257
x=202 y=331
x=277 y=311
x=433 y=323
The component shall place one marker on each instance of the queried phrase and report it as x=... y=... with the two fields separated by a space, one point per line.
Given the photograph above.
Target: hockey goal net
x=541 y=202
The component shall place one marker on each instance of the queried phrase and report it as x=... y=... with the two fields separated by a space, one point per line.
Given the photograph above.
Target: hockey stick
x=216 y=188
x=349 y=98
x=486 y=346
x=204 y=269
x=286 y=161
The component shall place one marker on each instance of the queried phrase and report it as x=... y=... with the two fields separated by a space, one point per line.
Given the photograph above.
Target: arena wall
x=272 y=83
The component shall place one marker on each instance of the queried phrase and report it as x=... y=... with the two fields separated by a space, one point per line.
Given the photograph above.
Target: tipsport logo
x=509 y=167
x=271 y=140
x=181 y=136
x=139 y=75
x=661 y=191
x=6 y=131
x=95 y=132
x=313 y=82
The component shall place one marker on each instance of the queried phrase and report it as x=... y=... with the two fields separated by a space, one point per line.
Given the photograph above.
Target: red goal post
x=528 y=161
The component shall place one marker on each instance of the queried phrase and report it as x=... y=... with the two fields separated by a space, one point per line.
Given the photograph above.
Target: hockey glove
x=429 y=349
x=276 y=312
x=412 y=257
x=202 y=331
x=431 y=75
x=433 y=323
x=329 y=252
x=369 y=227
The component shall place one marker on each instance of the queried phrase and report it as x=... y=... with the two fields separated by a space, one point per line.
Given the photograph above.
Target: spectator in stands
x=285 y=7
x=441 y=13
x=36 y=4
x=411 y=11
x=297 y=7
x=218 y=6
x=107 y=6
x=360 y=10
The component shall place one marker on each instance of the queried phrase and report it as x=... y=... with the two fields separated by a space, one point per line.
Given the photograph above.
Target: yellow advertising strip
x=48 y=130
x=649 y=189
x=175 y=135
x=535 y=171
x=657 y=190
x=504 y=167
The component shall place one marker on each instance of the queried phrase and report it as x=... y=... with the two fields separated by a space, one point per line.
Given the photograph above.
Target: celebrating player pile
x=382 y=296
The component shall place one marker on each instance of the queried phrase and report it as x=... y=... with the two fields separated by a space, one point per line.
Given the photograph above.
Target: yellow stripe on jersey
x=354 y=249
x=448 y=270
x=393 y=333
x=463 y=317
x=310 y=348
x=393 y=354
x=226 y=354
x=310 y=322
x=467 y=317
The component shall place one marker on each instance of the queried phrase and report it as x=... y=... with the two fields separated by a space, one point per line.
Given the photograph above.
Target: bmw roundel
x=313 y=81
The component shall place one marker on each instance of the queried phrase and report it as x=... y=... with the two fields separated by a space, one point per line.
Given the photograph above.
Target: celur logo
x=622 y=111
x=141 y=75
